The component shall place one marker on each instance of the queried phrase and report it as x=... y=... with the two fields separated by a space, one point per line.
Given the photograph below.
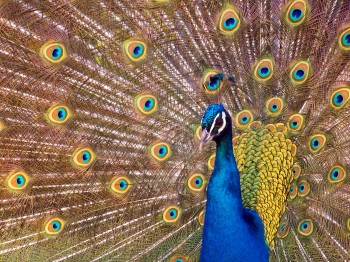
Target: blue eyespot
x=56 y=53
x=230 y=23
x=162 y=151
x=291 y=189
x=301 y=187
x=123 y=184
x=338 y=99
x=314 y=143
x=274 y=108
x=245 y=120
x=173 y=213
x=335 y=173
x=299 y=74
x=282 y=228
x=56 y=225
x=199 y=181
x=305 y=225
x=20 y=180
x=179 y=260
x=214 y=83
x=346 y=39
x=296 y=14
x=61 y=114
x=138 y=51
x=149 y=104
x=264 y=72
x=86 y=156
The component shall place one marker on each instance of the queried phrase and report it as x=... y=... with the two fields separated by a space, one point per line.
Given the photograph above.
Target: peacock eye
x=300 y=72
x=146 y=104
x=305 y=227
x=171 y=214
x=263 y=70
x=83 y=157
x=336 y=174
x=229 y=21
x=178 y=259
x=53 y=52
x=274 y=106
x=212 y=81
x=196 y=182
x=296 y=12
x=54 y=226
x=160 y=151
x=120 y=185
x=344 y=39
x=58 y=114
x=283 y=231
x=201 y=217
x=340 y=98
x=17 y=181
x=304 y=188
x=135 y=50
x=316 y=143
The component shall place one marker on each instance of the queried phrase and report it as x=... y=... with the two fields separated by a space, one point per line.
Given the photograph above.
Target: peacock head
x=215 y=122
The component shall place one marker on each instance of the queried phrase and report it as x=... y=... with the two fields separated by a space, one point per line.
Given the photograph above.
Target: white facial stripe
x=213 y=124
x=224 y=124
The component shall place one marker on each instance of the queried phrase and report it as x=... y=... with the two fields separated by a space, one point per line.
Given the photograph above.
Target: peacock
x=174 y=130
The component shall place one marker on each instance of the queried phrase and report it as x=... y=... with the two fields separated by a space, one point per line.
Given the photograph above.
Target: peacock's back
x=100 y=112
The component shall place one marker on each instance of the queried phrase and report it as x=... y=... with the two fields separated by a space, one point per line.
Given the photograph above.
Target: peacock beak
x=205 y=138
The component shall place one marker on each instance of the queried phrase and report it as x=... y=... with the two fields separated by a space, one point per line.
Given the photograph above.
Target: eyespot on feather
x=316 y=143
x=120 y=185
x=211 y=162
x=146 y=104
x=297 y=12
x=83 y=157
x=135 y=50
x=17 y=181
x=274 y=106
x=306 y=227
x=255 y=125
x=303 y=188
x=340 y=98
x=295 y=123
x=243 y=119
x=58 y=114
x=171 y=214
x=196 y=182
x=212 y=81
x=54 y=226
x=336 y=174
x=229 y=21
x=160 y=151
x=178 y=259
x=293 y=191
x=344 y=39
x=296 y=171
x=300 y=72
x=263 y=70
x=201 y=218
x=53 y=52
x=283 y=231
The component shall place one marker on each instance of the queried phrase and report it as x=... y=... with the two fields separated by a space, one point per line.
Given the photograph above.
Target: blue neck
x=231 y=232
x=225 y=175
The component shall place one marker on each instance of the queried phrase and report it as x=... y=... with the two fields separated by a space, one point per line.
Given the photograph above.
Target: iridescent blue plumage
x=231 y=232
